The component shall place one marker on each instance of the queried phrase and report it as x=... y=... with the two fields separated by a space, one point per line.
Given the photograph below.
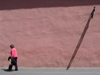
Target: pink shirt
x=14 y=53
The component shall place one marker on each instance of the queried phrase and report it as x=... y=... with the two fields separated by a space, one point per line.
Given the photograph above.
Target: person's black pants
x=16 y=67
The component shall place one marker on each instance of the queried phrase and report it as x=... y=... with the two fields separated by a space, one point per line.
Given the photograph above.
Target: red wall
x=46 y=32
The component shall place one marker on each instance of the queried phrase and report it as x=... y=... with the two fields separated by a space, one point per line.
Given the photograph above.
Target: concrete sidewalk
x=52 y=71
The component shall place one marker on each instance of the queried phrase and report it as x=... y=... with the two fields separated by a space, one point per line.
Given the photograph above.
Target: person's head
x=11 y=46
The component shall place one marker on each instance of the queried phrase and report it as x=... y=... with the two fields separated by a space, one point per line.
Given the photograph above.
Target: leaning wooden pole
x=81 y=39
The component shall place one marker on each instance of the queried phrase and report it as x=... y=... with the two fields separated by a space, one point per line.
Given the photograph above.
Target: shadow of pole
x=81 y=38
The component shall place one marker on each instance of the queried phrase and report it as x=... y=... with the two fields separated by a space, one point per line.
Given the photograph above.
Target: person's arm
x=12 y=53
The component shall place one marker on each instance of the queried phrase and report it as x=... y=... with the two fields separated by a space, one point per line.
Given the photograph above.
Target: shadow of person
x=7 y=70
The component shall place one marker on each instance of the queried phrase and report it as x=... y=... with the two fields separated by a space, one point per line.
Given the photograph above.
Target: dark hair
x=11 y=46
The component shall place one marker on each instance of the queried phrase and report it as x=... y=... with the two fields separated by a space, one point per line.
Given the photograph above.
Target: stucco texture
x=46 y=32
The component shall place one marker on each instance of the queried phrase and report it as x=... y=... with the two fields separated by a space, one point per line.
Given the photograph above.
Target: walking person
x=13 y=58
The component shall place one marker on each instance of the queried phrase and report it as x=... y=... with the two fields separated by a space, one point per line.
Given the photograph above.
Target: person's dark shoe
x=16 y=69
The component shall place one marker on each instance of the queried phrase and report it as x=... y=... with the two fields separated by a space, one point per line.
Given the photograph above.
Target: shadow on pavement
x=6 y=70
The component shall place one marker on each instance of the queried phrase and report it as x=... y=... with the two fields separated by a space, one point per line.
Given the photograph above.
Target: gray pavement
x=52 y=71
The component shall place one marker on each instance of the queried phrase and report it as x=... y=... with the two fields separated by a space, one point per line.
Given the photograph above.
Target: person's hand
x=9 y=58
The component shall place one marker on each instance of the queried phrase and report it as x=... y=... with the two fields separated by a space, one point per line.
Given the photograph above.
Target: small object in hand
x=9 y=58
